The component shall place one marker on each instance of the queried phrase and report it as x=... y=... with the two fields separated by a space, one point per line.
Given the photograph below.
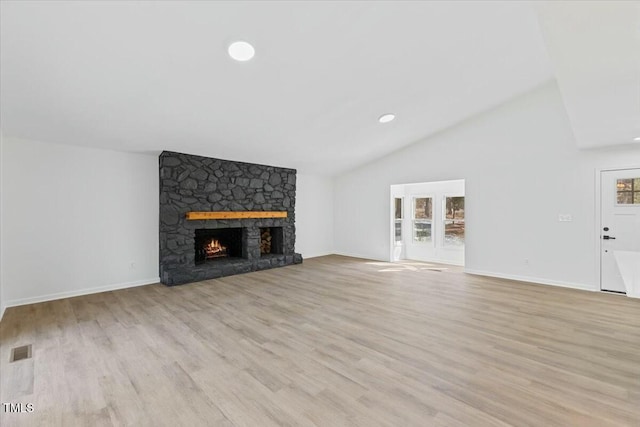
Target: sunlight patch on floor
x=406 y=266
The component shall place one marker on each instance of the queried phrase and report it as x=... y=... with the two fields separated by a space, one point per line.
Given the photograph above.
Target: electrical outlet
x=565 y=218
x=526 y=261
x=132 y=266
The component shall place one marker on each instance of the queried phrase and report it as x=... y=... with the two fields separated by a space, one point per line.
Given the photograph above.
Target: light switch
x=565 y=218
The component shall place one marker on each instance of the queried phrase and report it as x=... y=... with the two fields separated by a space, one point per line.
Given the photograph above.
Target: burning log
x=214 y=249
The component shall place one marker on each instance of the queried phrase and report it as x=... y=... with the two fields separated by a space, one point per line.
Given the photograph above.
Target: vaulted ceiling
x=595 y=51
x=152 y=76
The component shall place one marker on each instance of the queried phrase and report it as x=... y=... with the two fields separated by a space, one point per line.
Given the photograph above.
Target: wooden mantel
x=235 y=215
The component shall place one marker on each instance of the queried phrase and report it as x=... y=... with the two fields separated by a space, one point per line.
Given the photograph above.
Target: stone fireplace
x=199 y=249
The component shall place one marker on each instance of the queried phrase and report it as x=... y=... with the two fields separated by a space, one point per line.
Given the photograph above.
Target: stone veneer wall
x=194 y=183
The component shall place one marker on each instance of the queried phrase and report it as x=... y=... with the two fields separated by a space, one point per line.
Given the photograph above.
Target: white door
x=620 y=230
x=420 y=239
x=427 y=222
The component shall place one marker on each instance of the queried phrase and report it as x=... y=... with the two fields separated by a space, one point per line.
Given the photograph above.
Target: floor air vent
x=19 y=353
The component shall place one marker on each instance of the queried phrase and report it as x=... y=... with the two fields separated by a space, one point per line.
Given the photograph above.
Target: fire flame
x=215 y=249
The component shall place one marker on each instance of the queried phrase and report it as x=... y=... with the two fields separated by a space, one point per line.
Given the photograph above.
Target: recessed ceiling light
x=386 y=118
x=241 y=51
x=637 y=139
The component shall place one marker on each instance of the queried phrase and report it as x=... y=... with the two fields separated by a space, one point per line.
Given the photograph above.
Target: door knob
x=608 y=238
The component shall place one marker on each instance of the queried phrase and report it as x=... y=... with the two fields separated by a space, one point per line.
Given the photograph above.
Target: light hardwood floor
x=334 y=341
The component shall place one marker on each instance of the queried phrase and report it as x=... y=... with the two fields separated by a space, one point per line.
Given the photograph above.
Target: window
x=628 y=191
x=454 y=221
x=422 y=216
x=398 y=219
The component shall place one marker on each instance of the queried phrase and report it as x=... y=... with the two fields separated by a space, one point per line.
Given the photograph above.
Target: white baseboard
x=79 y=292
x=534 y=280
x=436 y=261
x=316 y=255
x=361 y=256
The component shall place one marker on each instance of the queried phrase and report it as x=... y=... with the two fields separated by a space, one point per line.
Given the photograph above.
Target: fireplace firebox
x=217 y=244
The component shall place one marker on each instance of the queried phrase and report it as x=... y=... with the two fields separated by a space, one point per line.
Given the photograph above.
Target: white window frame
x=414 y=220
x=633 y=190
x=443 y=219
x=398 y=220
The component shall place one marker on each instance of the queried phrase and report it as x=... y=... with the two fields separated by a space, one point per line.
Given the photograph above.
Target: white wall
x=521 y=168
x=73 y=220
x=76 y=220
x=1 y=215
x=314 y=215
x=81 y=220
